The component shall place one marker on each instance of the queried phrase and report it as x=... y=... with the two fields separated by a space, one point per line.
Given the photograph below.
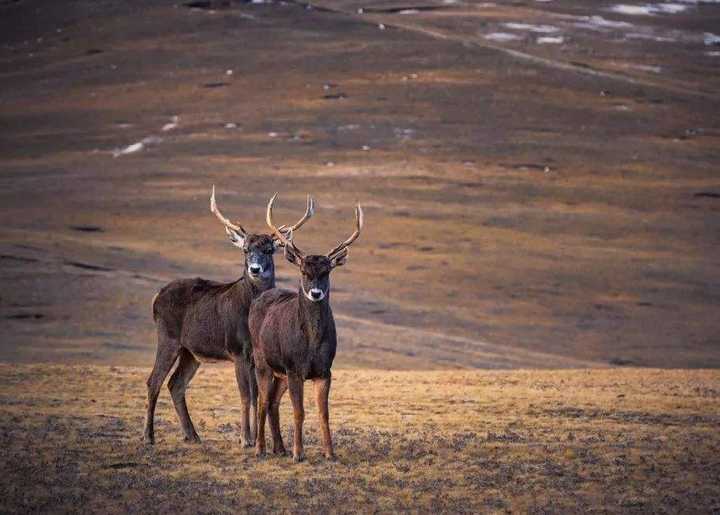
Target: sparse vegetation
x=615 y=440
x=529 y=206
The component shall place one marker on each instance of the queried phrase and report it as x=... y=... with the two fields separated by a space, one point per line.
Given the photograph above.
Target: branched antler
x=342 y=249
x=309 y=212
x=285 y=234
x=285 y=230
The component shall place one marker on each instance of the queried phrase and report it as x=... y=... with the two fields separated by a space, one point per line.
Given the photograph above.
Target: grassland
x=598 y=440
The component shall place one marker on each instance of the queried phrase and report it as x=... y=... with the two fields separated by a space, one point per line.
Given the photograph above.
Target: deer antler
x=309 y=212
x=343 y=247
x=285 y=234
x=227 y=223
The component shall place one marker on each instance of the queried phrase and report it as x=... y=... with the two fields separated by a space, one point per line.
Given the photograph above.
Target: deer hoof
x=149 y=440
x=247 y=443
x=298 y=458
x=259 y=453
x=280 y=452
x=194 y=439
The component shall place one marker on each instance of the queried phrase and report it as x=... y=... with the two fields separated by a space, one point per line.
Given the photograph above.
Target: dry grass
x=615 y=440
x=610 y=256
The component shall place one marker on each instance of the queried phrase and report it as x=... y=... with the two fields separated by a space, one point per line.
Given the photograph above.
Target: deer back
x=208 y=318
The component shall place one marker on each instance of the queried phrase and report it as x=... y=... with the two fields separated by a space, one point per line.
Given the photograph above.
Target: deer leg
x=248 y=387
x=177 y=385
x=322 y=393
x=167 y=353
x=253 y=403
x=264 y=385
x=281 y=387
x=295 y=383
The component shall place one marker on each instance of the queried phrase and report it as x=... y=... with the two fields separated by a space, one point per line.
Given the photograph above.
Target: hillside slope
x=532 y=213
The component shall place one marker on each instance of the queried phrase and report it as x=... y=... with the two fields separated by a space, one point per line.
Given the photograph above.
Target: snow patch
x=650 y=37
x=645 y=68
x=136 y=147
x=550 y=40
x=502 y=36
x=649 y=9
x=544 y=29
x=711 y=39
x=672 y=8
x=130 y=149
x=172 y=125
x=598 y=22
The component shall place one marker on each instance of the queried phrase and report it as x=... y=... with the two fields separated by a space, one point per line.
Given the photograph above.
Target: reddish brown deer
x=293 y=338
x=199 y=320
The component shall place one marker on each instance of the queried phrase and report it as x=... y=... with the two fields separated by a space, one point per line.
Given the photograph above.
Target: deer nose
x=317 y=293
x=255 y=269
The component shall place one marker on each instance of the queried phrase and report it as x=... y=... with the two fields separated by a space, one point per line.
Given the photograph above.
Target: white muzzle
x=315 y=294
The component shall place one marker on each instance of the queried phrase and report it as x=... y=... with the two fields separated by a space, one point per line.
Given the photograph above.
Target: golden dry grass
x=606 y=440
x=608 y=257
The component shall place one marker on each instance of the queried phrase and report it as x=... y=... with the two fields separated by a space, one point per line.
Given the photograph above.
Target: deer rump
x=280 y=340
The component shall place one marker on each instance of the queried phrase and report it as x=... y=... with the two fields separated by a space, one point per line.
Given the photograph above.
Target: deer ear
x=340 y=259
x=236 y=237
x=276 y=243
x=292 y=256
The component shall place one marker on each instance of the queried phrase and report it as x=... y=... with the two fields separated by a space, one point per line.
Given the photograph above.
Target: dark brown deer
x=199 y=320
x=293 y=338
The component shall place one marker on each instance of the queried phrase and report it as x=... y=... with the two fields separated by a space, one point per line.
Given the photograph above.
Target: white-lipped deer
x=294 y=340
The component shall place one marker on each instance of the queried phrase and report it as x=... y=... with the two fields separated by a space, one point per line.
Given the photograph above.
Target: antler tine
x=227 y=223
x=358 y=226
x=309 y=212
x=286 y=238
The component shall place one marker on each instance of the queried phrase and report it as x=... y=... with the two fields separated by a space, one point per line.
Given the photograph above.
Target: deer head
x=314 y=269
x=259 y=248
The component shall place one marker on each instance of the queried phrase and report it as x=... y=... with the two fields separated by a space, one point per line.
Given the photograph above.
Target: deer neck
x=313 y=316
x=252 y=287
